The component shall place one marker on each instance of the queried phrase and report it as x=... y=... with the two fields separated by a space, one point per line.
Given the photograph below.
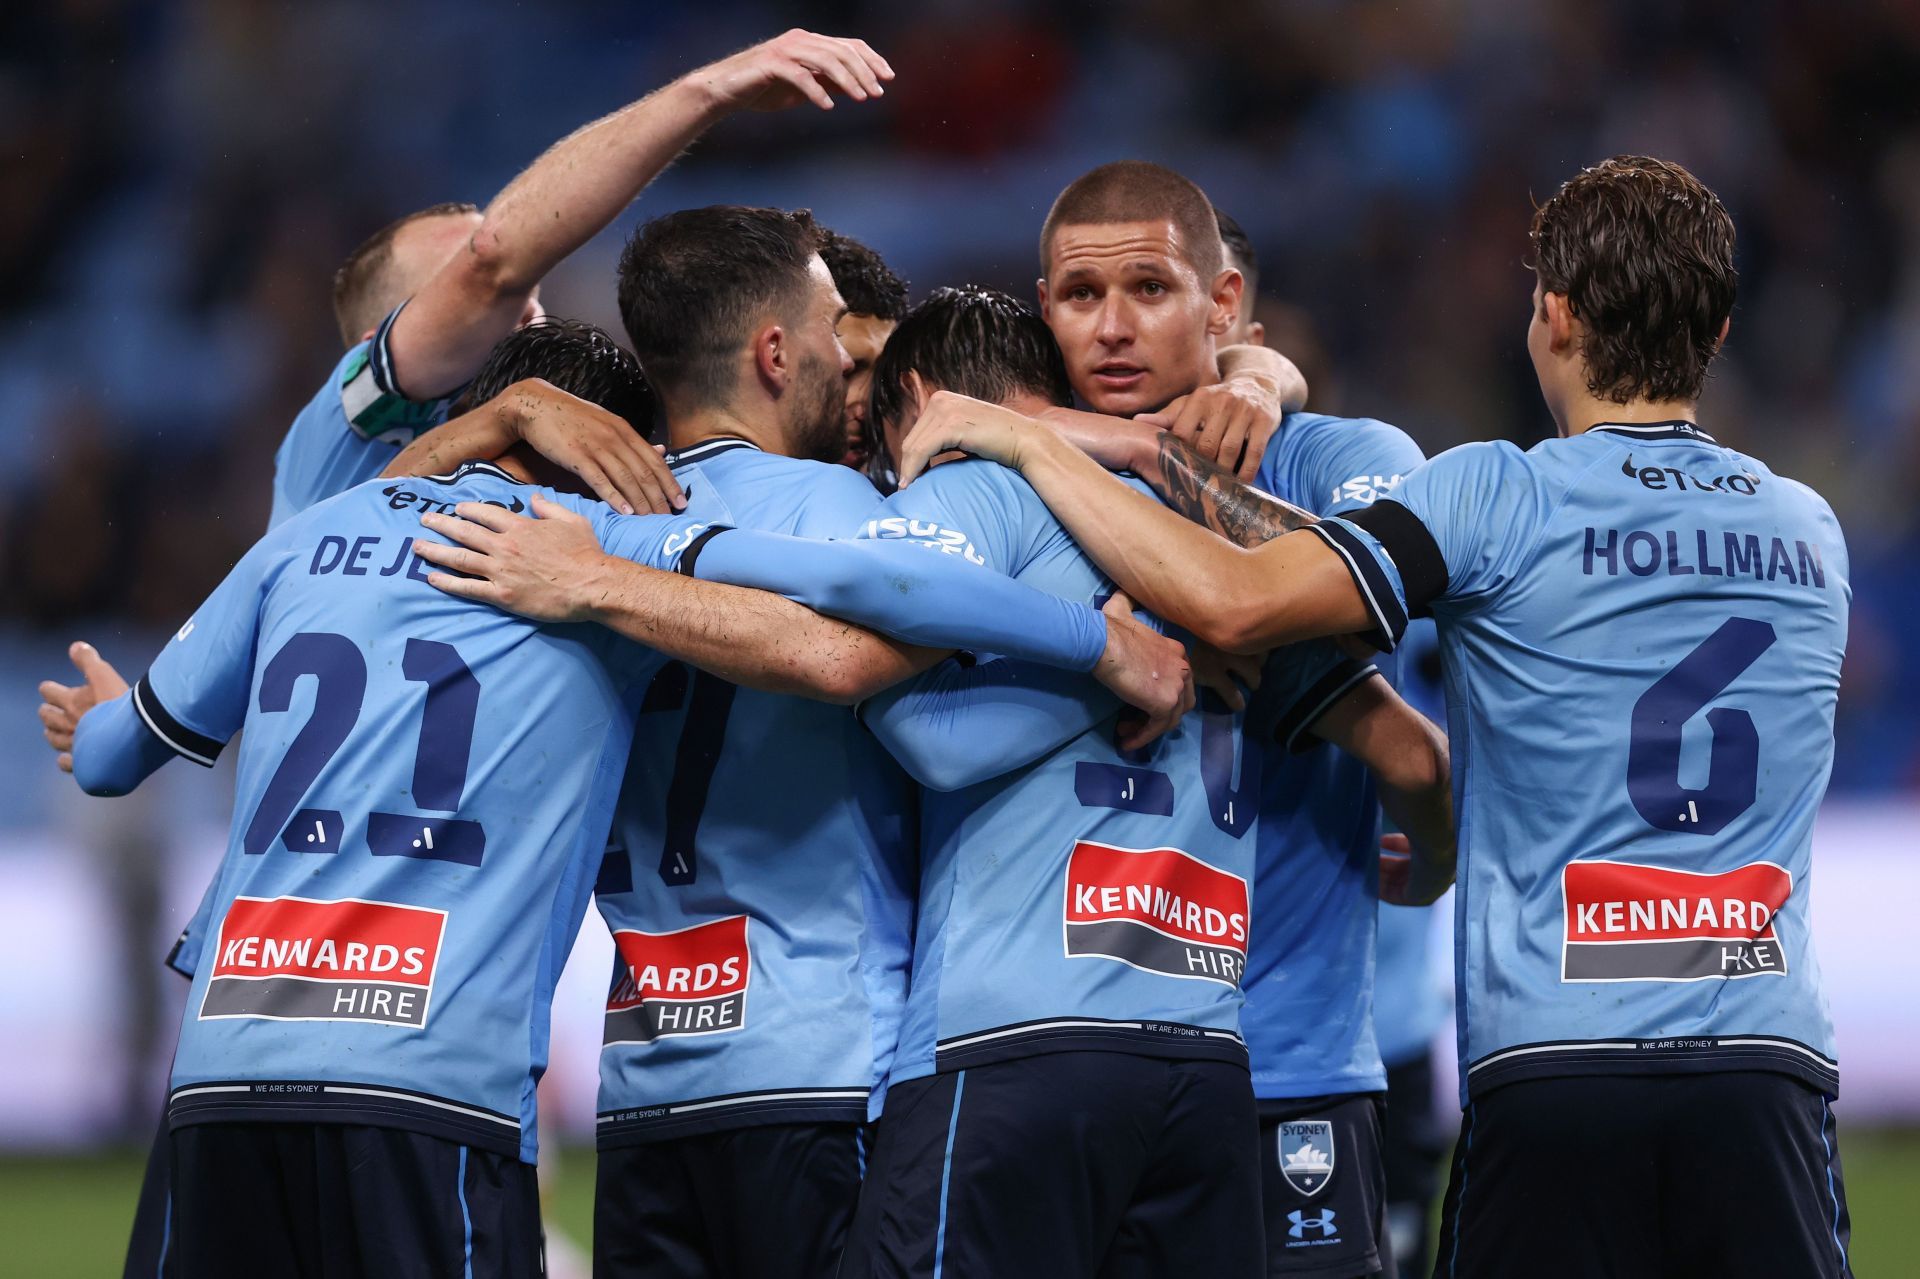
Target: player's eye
x=1079 y=293
x=1153 y=289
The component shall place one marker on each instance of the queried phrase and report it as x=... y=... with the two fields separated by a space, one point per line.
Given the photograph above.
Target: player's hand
x=1406 y=878
x=973 y=426
x=1147 y=671
x=1228 y=422
x=796 y=67
x=542 y=568
x=1231 y=676
x=62 y=705
x=602 y=448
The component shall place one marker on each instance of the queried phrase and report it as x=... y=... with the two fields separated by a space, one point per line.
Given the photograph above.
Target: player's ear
x=1227 y=287
x=1256 y=333
x=1562 y=324
x=1725 y=325
x=1040 y=288
x=917 y=391
x=773 y=357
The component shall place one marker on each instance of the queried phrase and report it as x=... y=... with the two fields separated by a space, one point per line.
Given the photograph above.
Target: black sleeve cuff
x=691 y=556
x=180 y=739
x=1376 y=591
x=1291 y=731
x=1423 y=571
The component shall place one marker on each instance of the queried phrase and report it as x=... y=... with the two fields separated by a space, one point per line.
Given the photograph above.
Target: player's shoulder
x=1330 y=463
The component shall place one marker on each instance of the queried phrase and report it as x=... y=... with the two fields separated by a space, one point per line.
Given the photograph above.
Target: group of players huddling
x=1053 y=956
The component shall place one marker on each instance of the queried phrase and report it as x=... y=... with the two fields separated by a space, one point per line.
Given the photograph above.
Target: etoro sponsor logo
x=296 y=959
x=690 y=982
x=1649 y=923
x=1156 y=909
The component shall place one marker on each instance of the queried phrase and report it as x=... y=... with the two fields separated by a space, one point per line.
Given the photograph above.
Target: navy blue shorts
x=771 y=1202
x=348 y=1201
x=148 y=1244
x=1066 y=1165
x=1325 y=1186
x=1665 y=1176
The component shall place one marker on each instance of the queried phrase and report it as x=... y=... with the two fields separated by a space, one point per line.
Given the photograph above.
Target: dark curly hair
x=1643 y=252
x=581 y=359
x=867 y=285
x=974 y=341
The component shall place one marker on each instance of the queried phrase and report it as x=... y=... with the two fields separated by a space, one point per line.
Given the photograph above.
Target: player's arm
x=553 y=569
x=602 y=448
x=192 y=699
x=1408 y=756
x=583 y=182
x=1296 y=586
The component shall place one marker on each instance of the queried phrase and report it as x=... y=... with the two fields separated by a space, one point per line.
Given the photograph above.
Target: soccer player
x=778 y=851
x=1316 y=1067
x=355 y=1082
x=394 y=382
x=1643 y=631
x=876 y=298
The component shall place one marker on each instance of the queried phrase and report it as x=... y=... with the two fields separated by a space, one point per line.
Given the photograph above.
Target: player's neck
x=686 y=430
x=1584 y=411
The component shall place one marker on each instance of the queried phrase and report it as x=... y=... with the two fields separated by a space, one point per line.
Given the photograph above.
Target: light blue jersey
x=1088 y=900
x=1310 y=969
x=760 y=889
x=348 y=432
x=345 y=435
x=1642 y=633
x=424 y=792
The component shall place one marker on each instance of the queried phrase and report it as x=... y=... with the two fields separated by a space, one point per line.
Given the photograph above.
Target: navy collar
x=1677 y=429
x=473 y=467
x=709 y=448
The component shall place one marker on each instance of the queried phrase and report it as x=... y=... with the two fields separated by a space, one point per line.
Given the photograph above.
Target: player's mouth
x=1118 y=375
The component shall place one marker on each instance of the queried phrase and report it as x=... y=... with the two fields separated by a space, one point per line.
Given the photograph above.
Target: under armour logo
x=1303 y=1223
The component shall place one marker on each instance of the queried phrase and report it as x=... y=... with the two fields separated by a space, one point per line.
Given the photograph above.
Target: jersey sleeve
x=977 y=511
x=190 y=702
x=1301 y=683
x=1451 y=536
x=1356 y=463
x=908 y=591
x=960 y=722
x=370 y=394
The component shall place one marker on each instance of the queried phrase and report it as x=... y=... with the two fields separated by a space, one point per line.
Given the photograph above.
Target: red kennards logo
x=690 y=982
x=1156 y=909
x=295 y=959
x=1650 y=923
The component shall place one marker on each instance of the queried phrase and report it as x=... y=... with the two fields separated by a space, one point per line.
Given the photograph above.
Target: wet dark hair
x=581 y=359
x=363 y=288
x=1138 y=191
x=1240 y=254
x=973 y=341
x=694 y=283
x=1643 y=252
x=866 y=284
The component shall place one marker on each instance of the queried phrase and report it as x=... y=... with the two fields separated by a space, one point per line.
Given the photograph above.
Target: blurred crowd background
x=182 y=176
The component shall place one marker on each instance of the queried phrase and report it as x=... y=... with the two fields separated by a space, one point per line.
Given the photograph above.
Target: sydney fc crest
x=1306 y=1154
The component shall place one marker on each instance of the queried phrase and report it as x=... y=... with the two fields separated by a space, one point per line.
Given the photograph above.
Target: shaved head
x=1138 y=191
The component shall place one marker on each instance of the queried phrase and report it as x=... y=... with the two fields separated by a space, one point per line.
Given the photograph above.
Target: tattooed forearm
x=1209 y=494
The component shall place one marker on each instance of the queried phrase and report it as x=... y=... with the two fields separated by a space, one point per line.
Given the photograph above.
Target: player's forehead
x=825 y=293
x=863 y=335
x=1094 y=251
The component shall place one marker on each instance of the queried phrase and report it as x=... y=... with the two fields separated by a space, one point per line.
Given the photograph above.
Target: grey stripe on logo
x=292 y=998
x=1142 y=947
x=1684 y=960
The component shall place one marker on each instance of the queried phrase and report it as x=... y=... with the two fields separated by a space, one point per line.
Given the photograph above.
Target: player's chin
x=1140 y=397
